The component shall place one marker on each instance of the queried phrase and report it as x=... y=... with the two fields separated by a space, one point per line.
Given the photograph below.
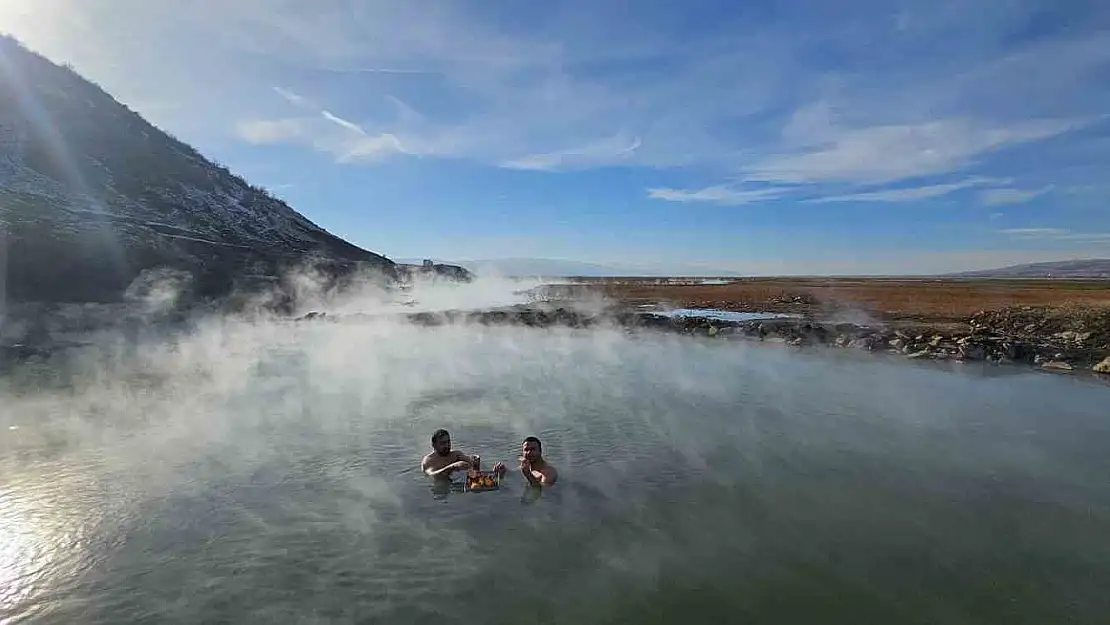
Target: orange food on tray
x=481 y=480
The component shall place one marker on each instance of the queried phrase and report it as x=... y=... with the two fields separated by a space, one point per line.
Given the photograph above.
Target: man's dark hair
x=533 y=439
x=438 y=434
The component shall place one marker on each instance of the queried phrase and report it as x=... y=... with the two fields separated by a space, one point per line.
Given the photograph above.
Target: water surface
x=269 y=474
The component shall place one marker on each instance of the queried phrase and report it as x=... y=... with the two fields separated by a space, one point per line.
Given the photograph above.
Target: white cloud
x=951 y=87
x=344 y=140
x=353 y=127
x=908 y=194
x=1034 y=232
x=370 y=149
x=1057 y=234
x=262 y=131
x=878 y=154
x=1001 y=197
x=716 y=194
x=292 y=98
x=598 y=153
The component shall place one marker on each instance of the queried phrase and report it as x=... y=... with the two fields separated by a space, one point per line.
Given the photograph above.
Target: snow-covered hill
x=91 y=194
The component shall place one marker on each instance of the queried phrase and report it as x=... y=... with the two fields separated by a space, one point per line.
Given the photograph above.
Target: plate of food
x=479 y=481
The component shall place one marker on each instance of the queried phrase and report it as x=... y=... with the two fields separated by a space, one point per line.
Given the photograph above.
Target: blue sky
x=773 y=136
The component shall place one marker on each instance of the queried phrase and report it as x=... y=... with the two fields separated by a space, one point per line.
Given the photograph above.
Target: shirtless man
x=443 y=461
x=533 y=467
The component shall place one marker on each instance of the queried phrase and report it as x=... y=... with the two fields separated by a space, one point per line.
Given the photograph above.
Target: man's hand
x=500 y=469
x=526 y=471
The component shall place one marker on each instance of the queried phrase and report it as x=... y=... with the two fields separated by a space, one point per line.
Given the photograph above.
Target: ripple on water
x=697 y=482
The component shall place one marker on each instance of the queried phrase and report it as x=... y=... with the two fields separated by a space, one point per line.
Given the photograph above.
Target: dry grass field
x=925 y=300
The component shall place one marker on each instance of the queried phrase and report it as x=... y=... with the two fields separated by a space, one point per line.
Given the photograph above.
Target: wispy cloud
x=517 y=101
x=803 y=103
x=261 y=131
x=909 y=194
x=1001 y=197
x=353 y=127
x=717 y=195
x=598 y=153
x=1034 y=232
x=889 y=153
x=346 y=141
x=1057 y=234
x=292 y=98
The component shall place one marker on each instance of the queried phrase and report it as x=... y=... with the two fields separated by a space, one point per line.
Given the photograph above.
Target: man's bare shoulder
x=549 y=473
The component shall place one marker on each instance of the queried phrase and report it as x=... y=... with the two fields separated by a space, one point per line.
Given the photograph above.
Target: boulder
x=862 y=343
x=972 y=351
x=1057 y=365
x=898 y=343
x=1102 y=367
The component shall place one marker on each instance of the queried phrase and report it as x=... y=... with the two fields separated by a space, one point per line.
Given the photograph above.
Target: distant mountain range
x=92 y=195
x=1088 y=268
x=551 y=267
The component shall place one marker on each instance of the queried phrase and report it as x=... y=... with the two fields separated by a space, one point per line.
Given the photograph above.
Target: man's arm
x=463 y=457
x=530 y=475
x=459 y=464
x=546 y=477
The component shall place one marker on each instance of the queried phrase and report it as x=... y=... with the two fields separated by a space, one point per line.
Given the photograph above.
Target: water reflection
x=43 y=539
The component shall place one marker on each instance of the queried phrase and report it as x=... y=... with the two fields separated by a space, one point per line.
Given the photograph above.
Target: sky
x=763 y=136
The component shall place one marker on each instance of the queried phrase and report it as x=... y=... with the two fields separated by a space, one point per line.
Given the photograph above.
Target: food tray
x=481 y=481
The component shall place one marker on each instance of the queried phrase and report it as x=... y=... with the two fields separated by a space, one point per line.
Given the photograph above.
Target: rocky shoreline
x=1056 y=339
x=1025 y=336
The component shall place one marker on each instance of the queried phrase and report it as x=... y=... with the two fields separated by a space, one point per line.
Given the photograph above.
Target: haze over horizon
x=768 y=138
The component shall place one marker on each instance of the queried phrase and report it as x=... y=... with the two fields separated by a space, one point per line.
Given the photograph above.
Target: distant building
x=433 y=270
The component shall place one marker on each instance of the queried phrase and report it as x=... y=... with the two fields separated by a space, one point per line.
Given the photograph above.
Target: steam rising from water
x=251 y=470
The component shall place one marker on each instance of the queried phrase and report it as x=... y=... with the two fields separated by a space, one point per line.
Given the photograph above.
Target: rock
x=842 y=341
x=1057 y=365
x=796 y=342
x=862 y=343
x=920 y=354
x=1039 y=359
x=898 y=343
x=1102 y=367
x=972 y=351
x=936 y=340
x=1013 y=350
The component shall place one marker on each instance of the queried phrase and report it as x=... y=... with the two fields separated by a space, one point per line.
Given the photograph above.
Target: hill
x=1087 y=268
x=91 y=195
